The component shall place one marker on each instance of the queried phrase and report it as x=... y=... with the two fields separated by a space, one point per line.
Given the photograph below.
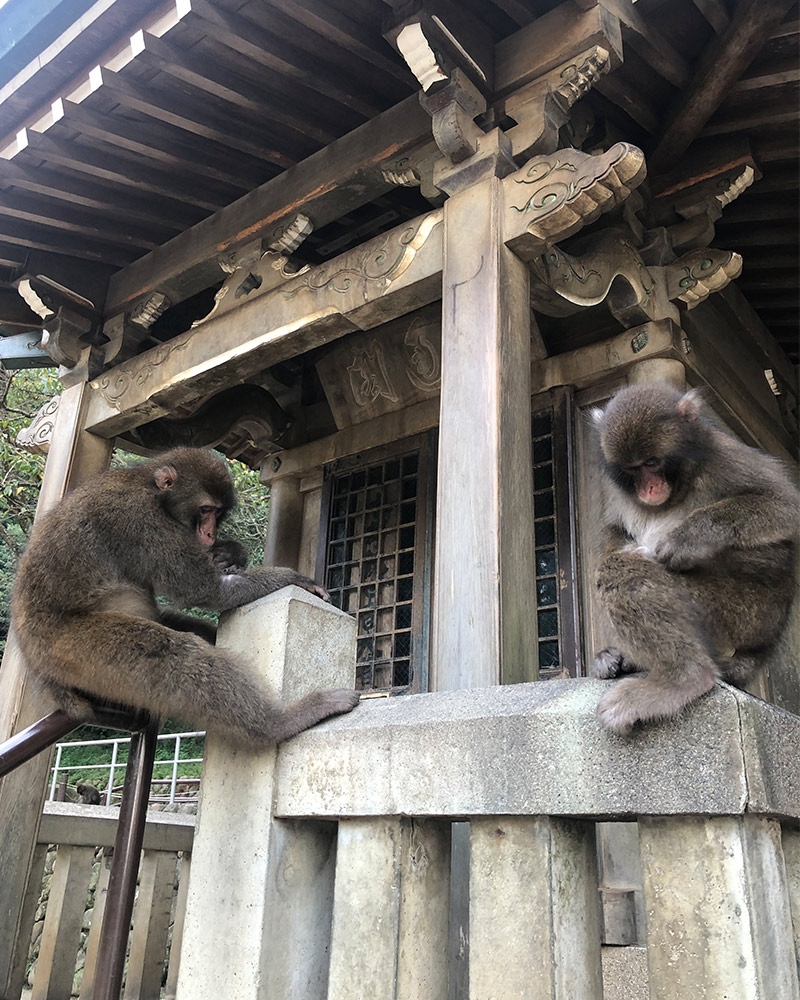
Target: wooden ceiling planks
x=214 y=98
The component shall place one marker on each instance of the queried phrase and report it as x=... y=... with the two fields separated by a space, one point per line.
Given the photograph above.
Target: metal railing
x=130 y=828
x=115 y=765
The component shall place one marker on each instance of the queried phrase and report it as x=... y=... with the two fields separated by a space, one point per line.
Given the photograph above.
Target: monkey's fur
x=88 y=624
x=699 y=572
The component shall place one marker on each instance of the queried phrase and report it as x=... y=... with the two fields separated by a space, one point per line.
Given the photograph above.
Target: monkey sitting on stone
x=88 y=795
x=699 y=572
x=88 y=623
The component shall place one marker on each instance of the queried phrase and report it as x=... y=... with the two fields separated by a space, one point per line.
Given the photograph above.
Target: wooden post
x=55 y=967
x=284 y=530
x=718 y=909
x=534 y=910
x=390 y=914
x=74 y=455
x=177 y=926
x=483 y=618
x=90 y=965
x=150 y=926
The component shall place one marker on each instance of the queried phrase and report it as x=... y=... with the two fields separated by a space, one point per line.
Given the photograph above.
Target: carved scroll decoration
x=578 y=77
x=37 y=435
x=380 y=265
x=693 y=277
x=587 y=280
x=149 y=309
x=612 y=269
x=369 y=378
x=113 y=386
x=424 y=367
x=566 y=190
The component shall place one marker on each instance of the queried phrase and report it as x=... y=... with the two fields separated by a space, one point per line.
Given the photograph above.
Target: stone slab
x=537 y=749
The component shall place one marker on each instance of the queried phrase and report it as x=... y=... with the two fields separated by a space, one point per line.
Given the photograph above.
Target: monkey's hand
x=610 y=662
x=682 y=550
x=314 y=588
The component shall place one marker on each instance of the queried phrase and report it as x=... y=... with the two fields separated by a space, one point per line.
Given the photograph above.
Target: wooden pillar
x=284 y=530
x=148 y=943
x=74 y=455
x=534 y=910
x=658 y=370
x=55 y=967
x=484 y=590
x=718 y=910
x=390 y=915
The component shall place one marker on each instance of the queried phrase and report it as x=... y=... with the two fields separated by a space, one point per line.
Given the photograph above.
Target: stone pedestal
x=260 y=895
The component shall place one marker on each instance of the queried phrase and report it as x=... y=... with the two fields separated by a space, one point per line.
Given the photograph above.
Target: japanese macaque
x=88 y=795
x=87 y=620
x=698 y=576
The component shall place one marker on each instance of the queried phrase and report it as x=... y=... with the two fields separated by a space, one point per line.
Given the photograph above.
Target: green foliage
x=22 y=393
x=85 y=756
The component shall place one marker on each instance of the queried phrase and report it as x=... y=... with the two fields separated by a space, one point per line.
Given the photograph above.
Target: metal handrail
x=130 y=828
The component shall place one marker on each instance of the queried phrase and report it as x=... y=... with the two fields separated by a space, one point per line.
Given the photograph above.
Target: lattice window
x=375 y=565
x=554 y=539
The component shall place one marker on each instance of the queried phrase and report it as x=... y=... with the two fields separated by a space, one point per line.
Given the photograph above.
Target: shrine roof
x=133 y=122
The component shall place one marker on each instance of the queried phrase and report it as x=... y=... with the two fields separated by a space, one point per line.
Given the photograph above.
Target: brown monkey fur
x=88 y=624
x=699 y=572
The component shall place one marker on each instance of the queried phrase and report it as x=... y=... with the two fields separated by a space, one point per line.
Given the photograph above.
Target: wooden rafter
x=723 y=63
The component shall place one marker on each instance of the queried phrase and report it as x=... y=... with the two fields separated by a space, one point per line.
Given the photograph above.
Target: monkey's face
x=195 y=489
x=648 y=438
x=647 y=481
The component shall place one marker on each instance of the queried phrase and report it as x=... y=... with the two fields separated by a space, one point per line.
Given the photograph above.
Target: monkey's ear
x=165 y=477
x=690 y=404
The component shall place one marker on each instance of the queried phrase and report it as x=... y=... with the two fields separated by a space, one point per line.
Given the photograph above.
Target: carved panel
x=610 y=268
x=391 y=367
x=376 y=266
x=698 y=273
x=114 y=385
x=554 y=196
x=36 y=436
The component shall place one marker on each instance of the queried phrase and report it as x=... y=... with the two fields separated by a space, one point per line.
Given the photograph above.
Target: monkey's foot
x=639 y=699
x=610 y=662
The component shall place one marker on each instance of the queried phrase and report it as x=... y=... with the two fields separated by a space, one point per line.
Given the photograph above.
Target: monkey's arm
x=746 y=521
x=187 y=623
x=241 y=588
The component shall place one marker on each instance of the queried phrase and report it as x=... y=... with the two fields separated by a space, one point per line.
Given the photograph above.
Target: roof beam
x=347 y=173
x=323 y=187
x=149 y=210
x=724 y=61
x=125 y=172
x=279 y=55
x=656 y=51
x=193 y=116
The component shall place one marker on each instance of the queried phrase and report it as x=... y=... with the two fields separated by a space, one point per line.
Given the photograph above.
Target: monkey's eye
x=208 y=510
x=651 y=463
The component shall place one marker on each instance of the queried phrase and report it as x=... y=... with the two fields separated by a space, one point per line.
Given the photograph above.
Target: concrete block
x=243 y=871
x=534 y=910
x=537 y=749
x=717 y=909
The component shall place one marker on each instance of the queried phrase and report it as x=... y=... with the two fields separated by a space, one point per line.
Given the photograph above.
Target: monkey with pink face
x=699 y=572
x=85 y=611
